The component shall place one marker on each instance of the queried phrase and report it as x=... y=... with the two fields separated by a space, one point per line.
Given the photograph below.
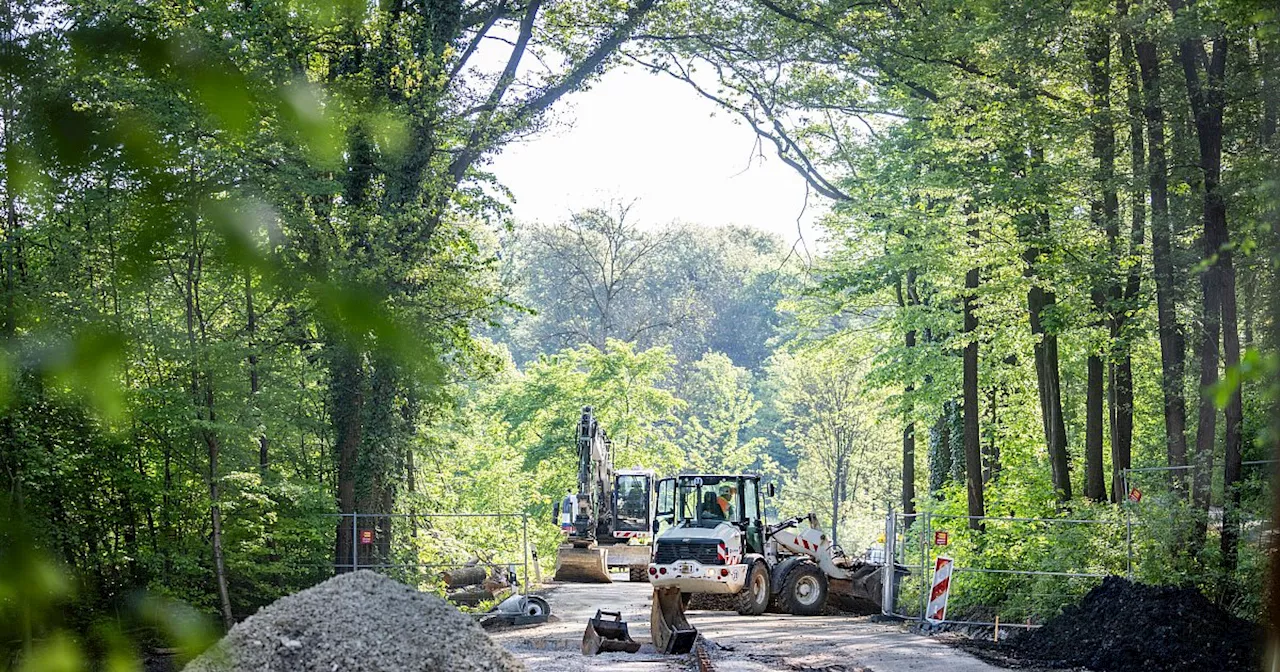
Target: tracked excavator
x=716 y=541
x=607 y=520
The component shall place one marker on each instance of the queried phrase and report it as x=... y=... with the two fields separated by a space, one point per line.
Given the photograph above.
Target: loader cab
x=710 y=500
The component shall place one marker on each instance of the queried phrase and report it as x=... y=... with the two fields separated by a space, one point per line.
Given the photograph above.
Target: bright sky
x=637 y=135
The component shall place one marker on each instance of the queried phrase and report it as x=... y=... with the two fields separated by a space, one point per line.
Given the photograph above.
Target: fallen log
x=470 y=597
x=464 y=576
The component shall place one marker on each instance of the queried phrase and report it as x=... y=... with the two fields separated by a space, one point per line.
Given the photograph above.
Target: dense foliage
x=255 y=274
x=1069 y=208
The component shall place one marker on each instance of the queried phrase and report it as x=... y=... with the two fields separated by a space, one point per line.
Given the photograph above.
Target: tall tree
x=830 y=423
x=1034 y=233
x=1123 y=305
x=910 y=298
x=600 y=258
x=1172 y=346
x=1103 y=209
x=972 y=436
x=1205 y=74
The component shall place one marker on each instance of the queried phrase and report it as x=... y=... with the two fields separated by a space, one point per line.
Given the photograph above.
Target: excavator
x=716 y=541
x=607 y=521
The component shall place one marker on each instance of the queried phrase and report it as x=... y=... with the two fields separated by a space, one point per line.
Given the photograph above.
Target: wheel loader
x=607 y=521
x=712 y=538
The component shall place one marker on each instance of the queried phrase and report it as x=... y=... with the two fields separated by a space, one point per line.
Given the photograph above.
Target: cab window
x=750 y=500
x=632 y=493
x=666 y=510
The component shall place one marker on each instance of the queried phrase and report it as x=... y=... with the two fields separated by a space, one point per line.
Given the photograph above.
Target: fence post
x=890 y=553
x=355 y=541
x=1128 y=541
x=924 y=564
x=524 y=526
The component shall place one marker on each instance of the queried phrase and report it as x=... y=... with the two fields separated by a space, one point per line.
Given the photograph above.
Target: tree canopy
x=257 y=271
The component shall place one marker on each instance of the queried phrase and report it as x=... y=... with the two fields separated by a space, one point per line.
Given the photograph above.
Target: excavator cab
x=632 y=496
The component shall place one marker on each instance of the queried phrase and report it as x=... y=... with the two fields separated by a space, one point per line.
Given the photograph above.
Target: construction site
x=685 y=573
x=365 y=621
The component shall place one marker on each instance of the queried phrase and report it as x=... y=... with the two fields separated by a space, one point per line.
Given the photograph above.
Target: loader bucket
x=604 y=635
x=582 y=564
x=668 y=627
x=863 y=591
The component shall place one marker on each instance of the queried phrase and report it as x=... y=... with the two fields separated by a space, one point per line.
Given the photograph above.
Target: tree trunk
x=1271 y=72
x=347 y=385
x=1234 y=417
x=991 y=456
x=1048 y=380
x=1234 y=412
x=215 y=510
x=909 y=468
x=940 y=451
x=1122 y=439
x=1208 y=101
x=202 y=398
x=1094 y=482
x=972 y=446
x=1172 y=347
x=254 y=386
x=1207 y=427
x=909 y=426
x=837 y=490
x=1103 y=211
x=1271 y=112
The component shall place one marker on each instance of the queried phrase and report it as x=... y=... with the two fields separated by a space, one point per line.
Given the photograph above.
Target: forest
x=257 y=272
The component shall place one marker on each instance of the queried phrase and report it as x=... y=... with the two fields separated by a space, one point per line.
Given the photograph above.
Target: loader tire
x=638 y=574
x=804 y=590
x=753 y=599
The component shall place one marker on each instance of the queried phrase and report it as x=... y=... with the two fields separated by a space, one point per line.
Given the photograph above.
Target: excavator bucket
x=603 y=635
x=863 y=591
x=668 y=627
x=582 y=564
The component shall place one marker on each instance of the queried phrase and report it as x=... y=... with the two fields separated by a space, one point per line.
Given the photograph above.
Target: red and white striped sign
x=626 y=534
x=936 y=612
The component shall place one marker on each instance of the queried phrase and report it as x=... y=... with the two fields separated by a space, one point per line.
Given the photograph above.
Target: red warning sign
x=941 y=538
x=1135 y=495
x=366 y=537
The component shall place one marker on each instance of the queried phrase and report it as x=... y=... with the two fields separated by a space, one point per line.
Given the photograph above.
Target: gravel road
x=737 y=643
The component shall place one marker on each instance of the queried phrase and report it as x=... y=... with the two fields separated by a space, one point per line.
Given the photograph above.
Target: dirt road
x=736 y=643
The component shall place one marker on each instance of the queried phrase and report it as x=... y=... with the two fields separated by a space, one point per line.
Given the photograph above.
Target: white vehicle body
x=696 y=572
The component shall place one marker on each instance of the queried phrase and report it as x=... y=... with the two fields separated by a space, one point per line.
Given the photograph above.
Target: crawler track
x=703 y=659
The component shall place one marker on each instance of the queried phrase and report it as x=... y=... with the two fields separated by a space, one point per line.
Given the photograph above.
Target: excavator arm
x=581 y=559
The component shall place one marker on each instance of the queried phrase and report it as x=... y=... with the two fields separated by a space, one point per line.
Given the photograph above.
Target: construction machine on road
x=607 y=521
x=712 y=538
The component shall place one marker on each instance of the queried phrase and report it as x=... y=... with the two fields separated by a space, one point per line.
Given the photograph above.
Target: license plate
x=686 y=568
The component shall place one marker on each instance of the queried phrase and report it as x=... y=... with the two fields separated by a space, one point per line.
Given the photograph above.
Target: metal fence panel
x=414 y=548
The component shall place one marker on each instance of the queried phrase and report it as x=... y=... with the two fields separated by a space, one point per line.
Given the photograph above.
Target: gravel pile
x=1122 y=626
x=362 y=622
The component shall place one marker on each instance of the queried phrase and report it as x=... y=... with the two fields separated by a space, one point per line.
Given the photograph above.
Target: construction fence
x=416 y=548
x=413 y=548
x=1020 y=572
